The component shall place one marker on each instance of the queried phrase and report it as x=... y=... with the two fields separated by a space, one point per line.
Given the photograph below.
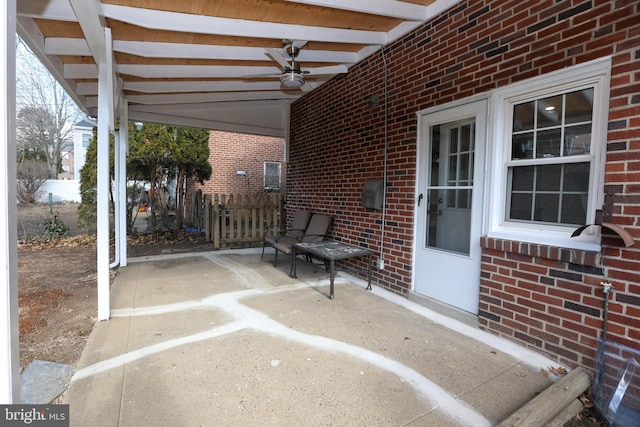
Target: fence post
x=214 y=223
x=207 y=217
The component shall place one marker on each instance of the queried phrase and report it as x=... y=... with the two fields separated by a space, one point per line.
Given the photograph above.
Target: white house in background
x=82 y=133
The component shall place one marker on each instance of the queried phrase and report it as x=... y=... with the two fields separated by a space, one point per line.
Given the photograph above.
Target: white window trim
x=594 y=72
x=264 y=175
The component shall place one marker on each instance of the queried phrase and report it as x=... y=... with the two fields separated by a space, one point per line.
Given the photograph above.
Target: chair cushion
x=300 y=222
x=317 y=229
x=284 y=244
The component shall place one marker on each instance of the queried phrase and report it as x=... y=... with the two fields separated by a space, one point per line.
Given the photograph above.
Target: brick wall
x=232 y=152
x=546 y=301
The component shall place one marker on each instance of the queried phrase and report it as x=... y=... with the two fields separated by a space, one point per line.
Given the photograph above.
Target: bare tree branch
x=46 y=113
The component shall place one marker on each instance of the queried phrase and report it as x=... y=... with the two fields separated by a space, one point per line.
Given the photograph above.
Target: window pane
x=464 y=199
x=522 y=146
x=453 y=139
x=577 y=140
x=579 y=106
x=546 y=209
x=548 y=144
x=453 y=167
x=464 y=168
x=548 y=178
x=574 y=209
x=523 y=178
x=576 y=177
x=521 y=206
x=434 y=179
x=550 y=111
x=466 y=138
x=523 y=116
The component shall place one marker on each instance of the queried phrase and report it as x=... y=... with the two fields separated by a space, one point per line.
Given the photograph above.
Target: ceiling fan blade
x=299 y=43
x=277 y=56
x=328 y=70
x=259 y=76
x=307 y=87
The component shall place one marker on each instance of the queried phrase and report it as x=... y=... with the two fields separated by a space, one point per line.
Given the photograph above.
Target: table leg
x=369 y=275
x=293 y=272
x=332 y=274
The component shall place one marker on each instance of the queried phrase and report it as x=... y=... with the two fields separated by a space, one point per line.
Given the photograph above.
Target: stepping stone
x=41 y=382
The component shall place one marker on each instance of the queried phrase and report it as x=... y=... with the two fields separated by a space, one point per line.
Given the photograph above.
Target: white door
x=449 y=205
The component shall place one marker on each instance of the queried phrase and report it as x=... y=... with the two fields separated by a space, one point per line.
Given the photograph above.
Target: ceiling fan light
x=291 y=79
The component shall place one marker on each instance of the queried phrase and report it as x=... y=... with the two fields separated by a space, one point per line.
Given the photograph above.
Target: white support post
x=105 y=119
x=9 y=345
x=122 y=181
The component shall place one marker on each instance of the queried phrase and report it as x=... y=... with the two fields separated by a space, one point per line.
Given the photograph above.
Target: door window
x=450 y=188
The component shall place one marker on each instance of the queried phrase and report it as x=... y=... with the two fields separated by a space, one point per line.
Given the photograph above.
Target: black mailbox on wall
x=373 y=194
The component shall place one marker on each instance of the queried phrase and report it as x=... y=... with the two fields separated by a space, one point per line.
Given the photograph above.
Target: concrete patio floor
x=225 y=339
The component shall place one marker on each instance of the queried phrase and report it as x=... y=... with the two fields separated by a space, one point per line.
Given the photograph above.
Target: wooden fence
x=240 y=221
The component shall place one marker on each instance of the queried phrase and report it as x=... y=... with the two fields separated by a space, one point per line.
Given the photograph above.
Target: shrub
x=52 y=228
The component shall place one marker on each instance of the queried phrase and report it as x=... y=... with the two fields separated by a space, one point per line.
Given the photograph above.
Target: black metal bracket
x=603 y=220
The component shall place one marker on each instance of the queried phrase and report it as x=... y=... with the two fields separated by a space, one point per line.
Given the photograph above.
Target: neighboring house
x=82 y=134
x=502 y=126
x=244 y=164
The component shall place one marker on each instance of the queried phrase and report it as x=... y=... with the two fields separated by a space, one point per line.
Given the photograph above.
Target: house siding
x=543 y=297
x=232 y=152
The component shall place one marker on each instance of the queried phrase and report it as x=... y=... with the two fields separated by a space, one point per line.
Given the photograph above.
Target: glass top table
x=330 y=250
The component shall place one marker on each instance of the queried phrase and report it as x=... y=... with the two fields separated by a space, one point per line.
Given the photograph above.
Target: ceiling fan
x=292 y=76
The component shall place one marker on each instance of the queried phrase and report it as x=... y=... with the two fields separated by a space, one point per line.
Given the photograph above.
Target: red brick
x=337 y=142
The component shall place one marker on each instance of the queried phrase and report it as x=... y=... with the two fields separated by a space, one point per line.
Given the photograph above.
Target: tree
x=156 y=152
x=152 y=153
x=46 y=113
x=192 y=160
x=87 y=215
x=32 y=174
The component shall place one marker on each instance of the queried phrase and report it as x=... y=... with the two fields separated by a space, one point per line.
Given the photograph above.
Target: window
x=271 y=176
x=86 y=137
x=549 y=141
x=550 y=159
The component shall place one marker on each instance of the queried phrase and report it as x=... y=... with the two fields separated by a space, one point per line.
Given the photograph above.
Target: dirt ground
x=58 y=298
x=57 y=283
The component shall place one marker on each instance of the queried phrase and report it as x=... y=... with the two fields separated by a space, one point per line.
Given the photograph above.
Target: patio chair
x=317 y=230
x=298 y=227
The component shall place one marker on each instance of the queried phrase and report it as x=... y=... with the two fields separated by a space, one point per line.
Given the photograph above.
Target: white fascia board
x=390 y=8
x=57 y=10
x=140 y=116
x=184 y=22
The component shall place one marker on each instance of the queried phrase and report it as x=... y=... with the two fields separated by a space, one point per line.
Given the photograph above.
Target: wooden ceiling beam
x=152 y=117
x=58 y=10
x=201 y=86
x=91 y=21
x=79 y=47
x=390 y=8
x=188 y=23
x=195 y=98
